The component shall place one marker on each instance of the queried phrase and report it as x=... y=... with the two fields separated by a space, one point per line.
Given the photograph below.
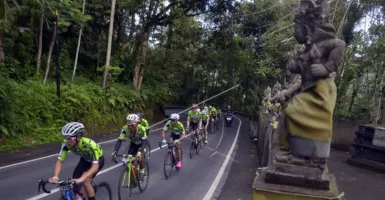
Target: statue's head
x=312 y=17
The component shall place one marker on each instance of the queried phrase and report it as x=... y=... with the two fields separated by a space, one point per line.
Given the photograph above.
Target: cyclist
x=143 y=122
x=137 y=134
x=205 y=122
x=91 y=157
x=177 y=134
x=219 y=114
x=194 y=118
x=213 y=112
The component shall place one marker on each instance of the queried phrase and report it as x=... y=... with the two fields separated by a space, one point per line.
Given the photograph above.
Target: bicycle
x=172 y=157
x=213 y=124
x=131 y=171
x=69 y=189
x=196 y=143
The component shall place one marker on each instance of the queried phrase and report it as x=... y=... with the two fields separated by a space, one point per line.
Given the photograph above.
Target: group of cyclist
x=137 y=129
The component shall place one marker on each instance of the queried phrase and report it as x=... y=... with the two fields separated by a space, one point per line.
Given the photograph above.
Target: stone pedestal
x=269 y=191
x=299 y=176
x=368 y=148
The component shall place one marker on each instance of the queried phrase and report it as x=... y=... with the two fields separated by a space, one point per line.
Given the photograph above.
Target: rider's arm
x=58 y=167
x=61 y=157
x=145 y=122
x=188 y=119
x=96 y=155
x=181 y=128
x=164 y=131
x=120 y=139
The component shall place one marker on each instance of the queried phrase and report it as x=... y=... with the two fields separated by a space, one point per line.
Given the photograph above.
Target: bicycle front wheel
x=168 y=165
x=192 y=148
x=125 y=183
x=104 y=191
x=143 y=183
x=147 y=149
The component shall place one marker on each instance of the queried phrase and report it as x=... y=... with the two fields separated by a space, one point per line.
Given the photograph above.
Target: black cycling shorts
x=134 y=148
x=194 y=126
x=204 y=123
x=84 y=166
x=175 y=136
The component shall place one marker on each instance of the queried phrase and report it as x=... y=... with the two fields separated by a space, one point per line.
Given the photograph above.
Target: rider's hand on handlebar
x=53 y=179
x=176 y=141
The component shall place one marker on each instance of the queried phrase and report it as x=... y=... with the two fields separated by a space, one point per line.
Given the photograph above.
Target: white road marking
x=101 y=172
x=220 y=140
x=52 y=155
x=215 y=184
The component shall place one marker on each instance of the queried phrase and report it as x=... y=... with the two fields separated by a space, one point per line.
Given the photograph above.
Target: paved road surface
x=193 y=181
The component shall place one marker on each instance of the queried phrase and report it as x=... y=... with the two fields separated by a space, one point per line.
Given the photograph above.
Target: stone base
x=367 y=164
x=268 y=191
x=299 y=176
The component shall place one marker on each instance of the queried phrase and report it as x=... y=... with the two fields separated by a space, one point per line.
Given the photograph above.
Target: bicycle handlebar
x=42 y=184
x=169 y=144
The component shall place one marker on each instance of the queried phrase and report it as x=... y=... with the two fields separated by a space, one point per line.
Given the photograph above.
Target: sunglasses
x=70 y=138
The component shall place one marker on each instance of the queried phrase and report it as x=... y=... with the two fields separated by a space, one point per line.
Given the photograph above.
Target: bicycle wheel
x=103 y=187
x=168 y=162
x=192 y=148
x=144 y=182
x=124 y=178
x=147 y=149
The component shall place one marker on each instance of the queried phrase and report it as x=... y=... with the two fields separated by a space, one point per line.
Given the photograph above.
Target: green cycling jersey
x=176 y=128
x=139 y=133
x=194 y=116
x=205 y=117
x=213 y=111
x=144 y=123
x=85 y=148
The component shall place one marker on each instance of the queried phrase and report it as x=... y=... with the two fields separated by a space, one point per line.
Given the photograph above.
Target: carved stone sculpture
x=312 y=96
x=308 y=102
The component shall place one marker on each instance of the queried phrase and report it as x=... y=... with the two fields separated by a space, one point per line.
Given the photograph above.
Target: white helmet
x=174 y=116
x=132 y=118
x=72 y=129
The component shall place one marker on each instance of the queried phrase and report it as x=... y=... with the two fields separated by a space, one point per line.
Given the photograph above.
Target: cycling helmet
x=203 y=112
x=73 y=129
x=210 y=107
x=132 y=118
x=195 y=106
x=174 y=117
x=139 y=114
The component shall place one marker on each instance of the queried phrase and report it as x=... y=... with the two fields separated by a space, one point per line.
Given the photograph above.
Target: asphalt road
x=197 y=179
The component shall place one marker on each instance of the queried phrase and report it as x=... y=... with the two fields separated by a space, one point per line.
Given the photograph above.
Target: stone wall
x=343 y=133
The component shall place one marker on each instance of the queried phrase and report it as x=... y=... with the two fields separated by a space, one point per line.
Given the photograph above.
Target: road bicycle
x=69 y=189
x=171 y=159
x=197 y=142
x=130 y=175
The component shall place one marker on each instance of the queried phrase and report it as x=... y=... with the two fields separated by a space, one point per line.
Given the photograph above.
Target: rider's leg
x=178 y=145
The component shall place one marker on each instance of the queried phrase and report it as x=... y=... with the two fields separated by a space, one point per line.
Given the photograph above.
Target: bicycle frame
x=128 y=161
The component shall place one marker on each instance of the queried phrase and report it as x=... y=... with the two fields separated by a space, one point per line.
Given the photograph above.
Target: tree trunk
x=2 y=57
x=79 y=40
x=40 y=45
x=139 y=67
x=110 y=33
x=50 y=54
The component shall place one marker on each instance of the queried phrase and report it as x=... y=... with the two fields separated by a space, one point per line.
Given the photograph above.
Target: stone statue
x=267 y=93
x=311 y=97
